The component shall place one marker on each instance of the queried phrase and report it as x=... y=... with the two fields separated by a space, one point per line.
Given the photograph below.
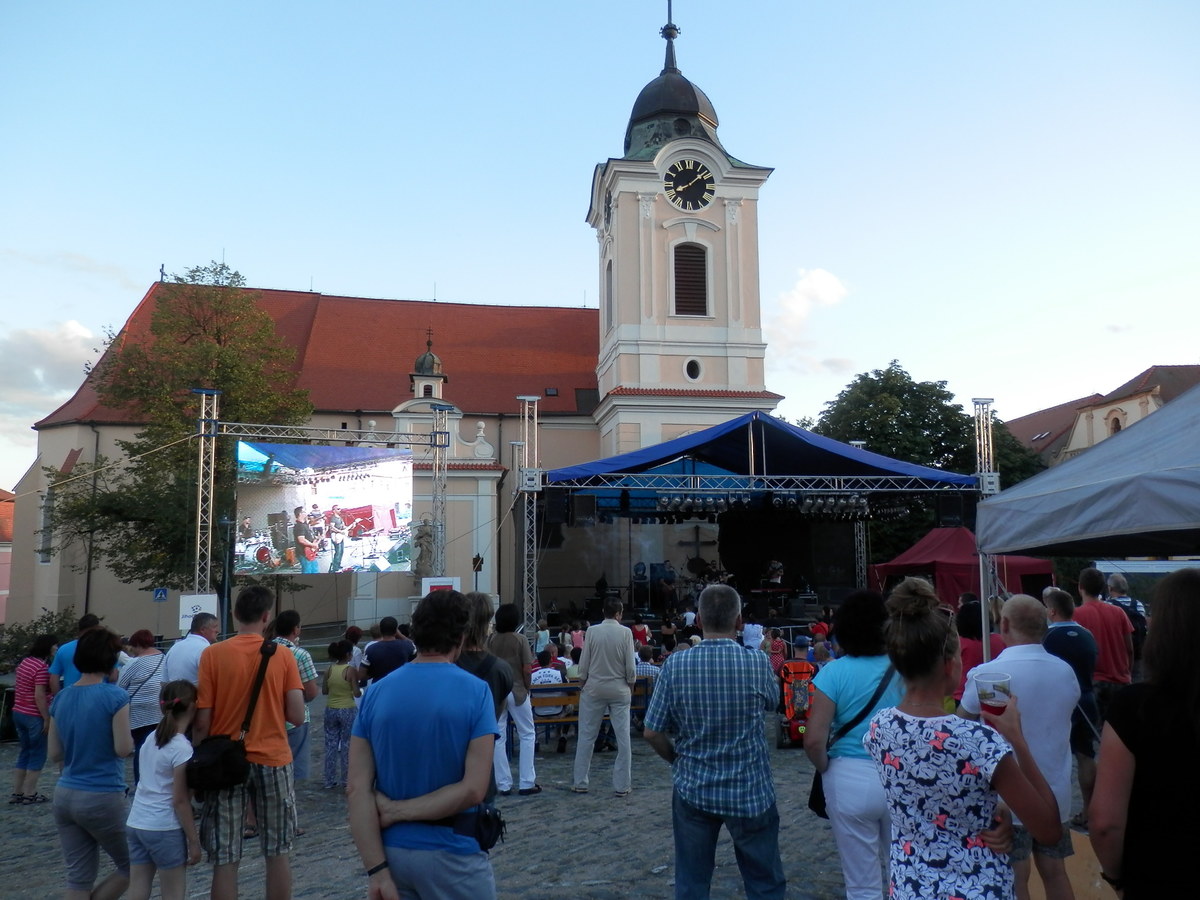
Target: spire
x=669 y=33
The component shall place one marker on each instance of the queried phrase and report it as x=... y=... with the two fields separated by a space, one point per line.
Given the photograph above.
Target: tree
x=917 y=422
x=137 y=515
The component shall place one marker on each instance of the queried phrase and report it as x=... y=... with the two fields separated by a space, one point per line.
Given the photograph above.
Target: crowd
x=934 y=784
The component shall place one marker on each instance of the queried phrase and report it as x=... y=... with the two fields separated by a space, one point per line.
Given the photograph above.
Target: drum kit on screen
x=257 y=554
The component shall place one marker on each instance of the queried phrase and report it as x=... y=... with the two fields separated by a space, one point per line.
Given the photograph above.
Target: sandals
x=30 y=799
x=250 y=831
x=16 y=798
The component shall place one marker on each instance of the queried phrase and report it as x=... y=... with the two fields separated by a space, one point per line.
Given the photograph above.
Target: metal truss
x=206 y=428
x=209 y=429
x=343 y=436
x=759 y=483
x=860 y=554
x=529 y=486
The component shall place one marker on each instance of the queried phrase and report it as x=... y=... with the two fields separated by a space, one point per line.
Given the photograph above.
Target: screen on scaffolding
x=309 y=510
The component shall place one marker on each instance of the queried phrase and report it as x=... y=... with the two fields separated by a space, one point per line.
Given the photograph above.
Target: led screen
x=308 y=510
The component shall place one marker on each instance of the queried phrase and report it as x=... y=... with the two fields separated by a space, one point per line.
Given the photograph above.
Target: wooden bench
x=566 y=695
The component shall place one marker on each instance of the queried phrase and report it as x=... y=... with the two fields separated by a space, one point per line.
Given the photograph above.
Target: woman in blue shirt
x=90 y=737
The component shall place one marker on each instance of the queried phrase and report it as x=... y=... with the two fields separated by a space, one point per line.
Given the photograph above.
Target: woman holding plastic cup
x=944 y=775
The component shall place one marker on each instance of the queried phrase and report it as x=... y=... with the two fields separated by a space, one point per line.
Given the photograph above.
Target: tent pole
x=750 y=446
x=984 y=606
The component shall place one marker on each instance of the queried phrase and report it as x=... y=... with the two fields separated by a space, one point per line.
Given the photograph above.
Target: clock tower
x=676 y=218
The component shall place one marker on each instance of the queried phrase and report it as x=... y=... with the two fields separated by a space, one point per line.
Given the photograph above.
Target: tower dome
x=669 y=108
x=428 y=363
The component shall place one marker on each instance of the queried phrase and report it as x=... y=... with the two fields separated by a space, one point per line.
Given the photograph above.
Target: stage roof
x=757 y=445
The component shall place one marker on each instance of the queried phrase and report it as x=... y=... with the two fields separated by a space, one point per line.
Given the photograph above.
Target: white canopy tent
x=1136 y=493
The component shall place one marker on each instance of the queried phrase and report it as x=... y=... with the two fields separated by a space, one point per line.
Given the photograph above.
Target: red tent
x=950 y=557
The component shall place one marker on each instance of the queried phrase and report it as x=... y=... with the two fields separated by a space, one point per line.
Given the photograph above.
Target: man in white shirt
x=1048 y=691
x=183 y=659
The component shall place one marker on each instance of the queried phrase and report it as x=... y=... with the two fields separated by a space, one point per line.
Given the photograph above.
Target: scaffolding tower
x=529 y=486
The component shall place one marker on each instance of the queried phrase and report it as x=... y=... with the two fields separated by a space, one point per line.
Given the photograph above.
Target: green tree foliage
x=918 y=422
x=138 y=516
x=18 y=637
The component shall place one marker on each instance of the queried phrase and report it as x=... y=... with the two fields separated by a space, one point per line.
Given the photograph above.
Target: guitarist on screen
x=338 y=529
x=306 y=545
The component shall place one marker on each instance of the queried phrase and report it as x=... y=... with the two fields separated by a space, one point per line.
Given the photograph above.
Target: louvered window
x=691 y=280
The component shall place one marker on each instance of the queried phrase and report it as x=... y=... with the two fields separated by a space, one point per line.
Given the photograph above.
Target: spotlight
x=777 y=502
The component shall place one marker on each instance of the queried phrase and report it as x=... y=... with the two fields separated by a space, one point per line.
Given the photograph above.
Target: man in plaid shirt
x=712 y=699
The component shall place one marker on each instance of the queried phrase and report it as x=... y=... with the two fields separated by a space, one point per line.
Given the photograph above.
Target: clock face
x=689 y=185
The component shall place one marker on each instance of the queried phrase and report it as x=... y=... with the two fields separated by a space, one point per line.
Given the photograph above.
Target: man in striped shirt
x=713 y=699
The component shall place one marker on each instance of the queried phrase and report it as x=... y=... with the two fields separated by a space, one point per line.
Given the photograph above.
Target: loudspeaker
x=583 y=510
x=556 y=505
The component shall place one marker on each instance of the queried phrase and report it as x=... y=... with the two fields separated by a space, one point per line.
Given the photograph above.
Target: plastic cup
x=994 y=690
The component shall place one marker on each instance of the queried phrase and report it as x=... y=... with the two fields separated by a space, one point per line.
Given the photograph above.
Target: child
x=160 y=830
x=341 y=687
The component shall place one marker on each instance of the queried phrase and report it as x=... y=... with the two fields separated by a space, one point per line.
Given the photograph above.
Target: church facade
x=675 y=346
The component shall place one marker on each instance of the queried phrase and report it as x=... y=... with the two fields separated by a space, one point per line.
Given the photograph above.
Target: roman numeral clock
x=689 y=185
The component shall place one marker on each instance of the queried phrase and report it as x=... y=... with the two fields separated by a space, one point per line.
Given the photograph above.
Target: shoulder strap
x=267 y=650
x=870 y=704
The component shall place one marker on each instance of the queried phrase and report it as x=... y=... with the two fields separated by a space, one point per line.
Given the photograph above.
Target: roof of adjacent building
x=1043 y=430
x=6 y=516
x=1170 y=382
x=355 y=353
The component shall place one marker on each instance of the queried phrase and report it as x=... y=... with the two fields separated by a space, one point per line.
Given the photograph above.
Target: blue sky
x=1002 y=196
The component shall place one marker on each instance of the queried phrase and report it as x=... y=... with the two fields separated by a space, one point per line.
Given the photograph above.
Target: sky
x=1000 y=196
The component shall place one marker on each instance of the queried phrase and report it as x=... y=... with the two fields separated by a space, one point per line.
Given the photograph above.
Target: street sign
x=160 y=595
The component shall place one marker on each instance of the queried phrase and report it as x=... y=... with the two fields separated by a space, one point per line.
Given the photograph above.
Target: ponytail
x=175 y=699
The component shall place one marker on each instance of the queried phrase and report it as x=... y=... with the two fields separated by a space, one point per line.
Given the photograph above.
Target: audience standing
x=1074 y=645
x=1048 y=691
x=1146 y=785
x=607 y=671
x=287 y=634
x=944 y=775
x=142 y=678
x=90 y=737
x=1114 y=638
x=713 y=700
x=341 y=690
x=31 y=716
x=183 y=659
x=495 y=672
x=431 y=767
x=63 y=672
x=227 y=674
x=514 y=650
x=387 y=654
x=846 y=693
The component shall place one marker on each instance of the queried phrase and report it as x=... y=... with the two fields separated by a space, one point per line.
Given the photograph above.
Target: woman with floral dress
x=944 y=775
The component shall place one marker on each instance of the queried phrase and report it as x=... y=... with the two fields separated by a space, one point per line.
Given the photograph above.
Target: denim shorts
x=32 y=734
x=162 y=849
x=1024 y=844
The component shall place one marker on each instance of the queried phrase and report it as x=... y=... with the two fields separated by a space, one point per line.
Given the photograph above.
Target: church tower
x=676 y=219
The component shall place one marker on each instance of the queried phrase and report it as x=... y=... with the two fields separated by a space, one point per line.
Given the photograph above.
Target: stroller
x=796 y=676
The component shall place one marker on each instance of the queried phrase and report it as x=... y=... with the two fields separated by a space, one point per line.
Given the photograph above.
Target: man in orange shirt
x=1114 y=638
x=227 y=673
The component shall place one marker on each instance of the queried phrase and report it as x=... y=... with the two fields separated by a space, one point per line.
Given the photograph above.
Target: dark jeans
x=755 y=844
x=139 y=738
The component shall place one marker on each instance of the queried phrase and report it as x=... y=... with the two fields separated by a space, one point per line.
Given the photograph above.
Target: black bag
x=489 y=827
x=485 y=824
x=816 y=795
x=219 y=762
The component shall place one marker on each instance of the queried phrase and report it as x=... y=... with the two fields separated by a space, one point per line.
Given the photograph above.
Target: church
x=676 y=346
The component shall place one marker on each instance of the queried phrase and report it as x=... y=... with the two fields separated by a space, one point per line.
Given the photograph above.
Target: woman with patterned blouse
x=943 y=775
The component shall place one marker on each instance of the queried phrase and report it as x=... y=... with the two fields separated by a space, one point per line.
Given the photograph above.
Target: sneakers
x=528 y=792
x=624 y=793
x=507 y=793
x=579 y=789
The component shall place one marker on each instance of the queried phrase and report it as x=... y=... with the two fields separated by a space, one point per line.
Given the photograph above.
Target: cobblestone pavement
x=592 y=846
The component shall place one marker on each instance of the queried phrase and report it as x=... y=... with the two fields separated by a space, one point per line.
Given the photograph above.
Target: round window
x=693 y=369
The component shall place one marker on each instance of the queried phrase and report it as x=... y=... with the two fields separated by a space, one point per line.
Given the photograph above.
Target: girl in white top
x=160 y=830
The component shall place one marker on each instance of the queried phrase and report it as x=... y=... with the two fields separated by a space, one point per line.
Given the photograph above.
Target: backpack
x=1136 y=619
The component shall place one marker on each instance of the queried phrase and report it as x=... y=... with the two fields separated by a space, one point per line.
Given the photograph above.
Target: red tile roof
x=355 y=353
x=1040 y=430
x=1171 y=381
x=6 y=516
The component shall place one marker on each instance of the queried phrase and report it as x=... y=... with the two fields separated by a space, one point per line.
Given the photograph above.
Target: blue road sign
x=160 y=595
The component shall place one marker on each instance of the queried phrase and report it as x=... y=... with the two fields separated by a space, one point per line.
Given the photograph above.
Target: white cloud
x=787 y=323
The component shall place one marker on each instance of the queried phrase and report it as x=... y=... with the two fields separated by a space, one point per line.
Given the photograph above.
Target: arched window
x=1114 y=425
x=608 y=296
x=691 y=280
